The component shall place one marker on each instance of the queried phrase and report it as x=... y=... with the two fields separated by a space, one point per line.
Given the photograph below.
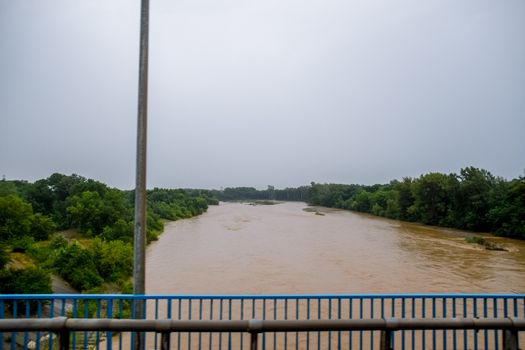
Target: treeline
x=250 y=193
x=96 y=248
x=472 y=200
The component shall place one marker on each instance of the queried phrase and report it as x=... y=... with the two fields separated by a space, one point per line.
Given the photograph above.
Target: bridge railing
x=63 y=327
x=269 y=307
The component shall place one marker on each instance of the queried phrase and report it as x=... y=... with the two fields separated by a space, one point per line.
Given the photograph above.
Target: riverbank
x=92 y=249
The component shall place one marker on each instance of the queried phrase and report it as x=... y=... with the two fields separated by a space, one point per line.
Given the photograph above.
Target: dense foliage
x=250 y=193
x=472 y=200
x=100 y=219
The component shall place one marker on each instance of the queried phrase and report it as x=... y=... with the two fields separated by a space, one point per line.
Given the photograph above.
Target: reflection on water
x=237 y=248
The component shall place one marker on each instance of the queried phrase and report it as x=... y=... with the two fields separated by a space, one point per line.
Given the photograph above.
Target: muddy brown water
x=237 y=248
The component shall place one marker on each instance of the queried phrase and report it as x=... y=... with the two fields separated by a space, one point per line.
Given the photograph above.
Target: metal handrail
x=63 y=326
x=255 y=296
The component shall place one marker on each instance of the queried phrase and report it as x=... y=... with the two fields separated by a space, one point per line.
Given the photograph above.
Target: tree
x=362 y=201
x=119 y=230
x=4 y=256
x=114 y=260
x=15 y=217
x=476 y=195
x=25 y=281
x=84 y=212
x=405 y=198
x=41 y=227
x=508 y=217
x=432 y=197
x=77 y=266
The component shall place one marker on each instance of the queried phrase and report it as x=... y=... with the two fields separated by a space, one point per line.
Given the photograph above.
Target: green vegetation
x=250 y=193
x=100 y=219
x=488 y=245
x=472 y=200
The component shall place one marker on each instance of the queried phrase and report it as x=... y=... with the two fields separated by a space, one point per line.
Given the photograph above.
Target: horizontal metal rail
x=58 y=324
x=63 y=326
x=253 y=296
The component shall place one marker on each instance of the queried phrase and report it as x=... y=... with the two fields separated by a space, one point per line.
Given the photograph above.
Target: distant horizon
x=150 y=186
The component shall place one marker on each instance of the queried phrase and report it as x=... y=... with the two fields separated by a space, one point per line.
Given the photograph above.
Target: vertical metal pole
x=385 y=341
x=510 y=339
x=253 y=340
x=139 y=284
x=165 y=341
x=63 y=340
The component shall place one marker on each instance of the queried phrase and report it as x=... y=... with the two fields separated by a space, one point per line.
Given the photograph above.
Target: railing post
x=385 y=342
x=510 y=339
x=63 y=340
x=165 y=341
x=253 y=340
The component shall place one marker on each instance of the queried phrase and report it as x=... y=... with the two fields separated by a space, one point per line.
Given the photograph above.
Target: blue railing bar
x=229 y=318
x=495 y=303
x=350 y=316
x=39 y=315
x=121 y=310
x=434 y=342
x=454 y=335
x=286 y=317
x=444 y=315
x=99 y=307
x=413 y=315
x=307 y=317
x=26 y=335
x=360 y=316
x=109 y=335
x=296 y=317
x=403 y=316
x=485 y=314
x=200 y=318
x=274 y=317
x=319 y=317
x=475 y=308
x=1 y=317
x=371 y=316
x=156 y=317
x=264 y=318
x=179 y=315
x=423 y=315
x=250 y=296
x=465 y=333
x=220 y=318
x=86 y=315
x=15 y=315
x=339 y=317
x=329 y=317
x=189 y=318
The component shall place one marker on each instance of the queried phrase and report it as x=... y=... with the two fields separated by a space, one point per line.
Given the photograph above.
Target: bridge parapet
x=426 y=308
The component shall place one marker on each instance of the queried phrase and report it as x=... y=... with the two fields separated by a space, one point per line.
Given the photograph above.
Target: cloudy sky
x=253 y=92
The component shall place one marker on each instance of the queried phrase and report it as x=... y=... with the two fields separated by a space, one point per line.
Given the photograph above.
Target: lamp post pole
x=139 y=283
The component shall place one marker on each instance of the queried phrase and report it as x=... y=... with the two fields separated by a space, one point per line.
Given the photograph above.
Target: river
x=237 y=248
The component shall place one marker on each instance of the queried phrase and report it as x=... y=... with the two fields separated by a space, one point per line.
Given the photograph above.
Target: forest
x=79 y=229
x=472 y=200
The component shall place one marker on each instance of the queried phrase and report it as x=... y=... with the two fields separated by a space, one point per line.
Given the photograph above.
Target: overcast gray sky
x=259 y=92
